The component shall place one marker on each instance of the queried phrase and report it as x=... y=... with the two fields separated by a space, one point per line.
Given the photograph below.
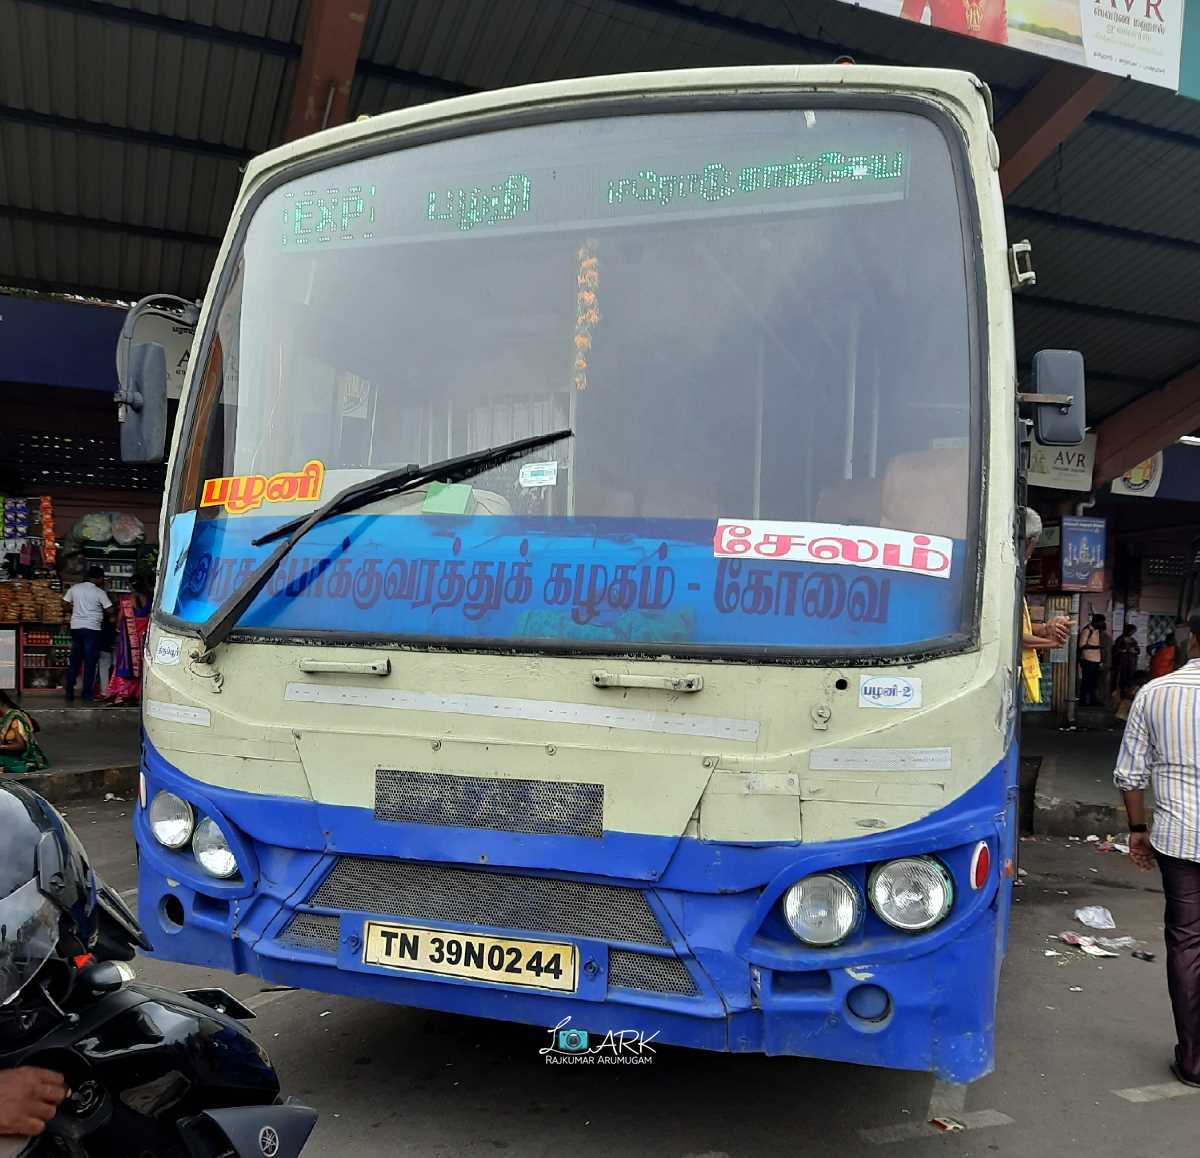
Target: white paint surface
x=879 y=760
x=177 y=713
x=545 y=711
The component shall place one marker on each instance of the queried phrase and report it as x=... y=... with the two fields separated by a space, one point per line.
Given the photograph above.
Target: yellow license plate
x=538 y=964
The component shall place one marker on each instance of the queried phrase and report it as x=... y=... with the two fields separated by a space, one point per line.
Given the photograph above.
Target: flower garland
x=587 y=315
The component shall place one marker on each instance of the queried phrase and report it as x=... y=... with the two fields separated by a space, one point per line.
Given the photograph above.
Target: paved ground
x=1079 y=1073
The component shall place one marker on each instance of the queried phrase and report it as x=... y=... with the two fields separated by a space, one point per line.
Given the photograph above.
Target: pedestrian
x=1037 y=637
x=1125 y=658
x=1161 y=748
x=108 y=647
x=88 y=606
x=1091 y=661
x=19 y=750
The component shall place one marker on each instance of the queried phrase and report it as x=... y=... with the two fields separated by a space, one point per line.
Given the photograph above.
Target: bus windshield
x=757 y=323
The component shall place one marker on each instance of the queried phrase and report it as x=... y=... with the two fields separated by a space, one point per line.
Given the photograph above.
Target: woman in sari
x=19 y=751
x=133 y=618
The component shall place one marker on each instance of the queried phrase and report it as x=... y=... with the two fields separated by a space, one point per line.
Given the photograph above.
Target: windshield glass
x=756 y=323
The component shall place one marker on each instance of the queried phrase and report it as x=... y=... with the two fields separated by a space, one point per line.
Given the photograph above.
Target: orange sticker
x=246 y=492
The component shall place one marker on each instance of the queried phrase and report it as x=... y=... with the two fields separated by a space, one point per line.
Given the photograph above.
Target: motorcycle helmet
x=48 y=895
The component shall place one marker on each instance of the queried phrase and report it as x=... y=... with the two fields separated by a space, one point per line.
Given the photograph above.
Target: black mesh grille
x=646 y=971
x=313 y=931
x=474 y=897
x=536 y=806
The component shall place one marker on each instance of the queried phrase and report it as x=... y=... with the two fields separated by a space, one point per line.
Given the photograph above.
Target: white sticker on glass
x=889 y=692
x=538 y=474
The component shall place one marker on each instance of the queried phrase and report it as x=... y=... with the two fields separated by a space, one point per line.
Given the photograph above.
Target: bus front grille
x=543 y=807
x=312 y=931
x=650 y=972
x=431 y=892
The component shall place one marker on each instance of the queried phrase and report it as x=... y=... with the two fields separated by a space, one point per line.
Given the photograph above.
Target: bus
x=590 y=566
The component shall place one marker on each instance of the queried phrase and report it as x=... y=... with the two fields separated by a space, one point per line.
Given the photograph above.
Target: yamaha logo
x=268 y=1141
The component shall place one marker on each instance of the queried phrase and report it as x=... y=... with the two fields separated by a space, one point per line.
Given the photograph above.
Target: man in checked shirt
x=1162 y=747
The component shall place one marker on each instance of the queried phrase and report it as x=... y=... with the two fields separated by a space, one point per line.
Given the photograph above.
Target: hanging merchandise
x=94 y=528
x=127 y=530
x=587 y=313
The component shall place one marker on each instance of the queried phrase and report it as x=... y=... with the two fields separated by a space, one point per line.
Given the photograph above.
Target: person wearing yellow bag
x=1037 y=637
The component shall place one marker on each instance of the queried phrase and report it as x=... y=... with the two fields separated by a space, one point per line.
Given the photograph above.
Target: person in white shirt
x=89 y=604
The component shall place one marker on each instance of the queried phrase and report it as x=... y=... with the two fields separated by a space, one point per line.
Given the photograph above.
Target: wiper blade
x=451 y=470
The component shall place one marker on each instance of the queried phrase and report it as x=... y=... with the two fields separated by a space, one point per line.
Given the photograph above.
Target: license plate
x=537 y=964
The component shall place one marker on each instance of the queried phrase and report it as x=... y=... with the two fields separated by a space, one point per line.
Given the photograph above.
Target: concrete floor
x=1078 y=1073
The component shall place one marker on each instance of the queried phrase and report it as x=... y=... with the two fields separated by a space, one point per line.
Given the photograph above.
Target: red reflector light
x=981 y=865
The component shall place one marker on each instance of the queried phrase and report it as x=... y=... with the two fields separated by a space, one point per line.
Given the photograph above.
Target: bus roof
x=961 y=88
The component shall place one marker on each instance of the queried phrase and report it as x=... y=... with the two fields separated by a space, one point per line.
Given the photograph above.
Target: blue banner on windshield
x=543 y=580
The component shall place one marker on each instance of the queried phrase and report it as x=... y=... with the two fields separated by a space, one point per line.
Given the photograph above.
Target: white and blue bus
x=590 y=570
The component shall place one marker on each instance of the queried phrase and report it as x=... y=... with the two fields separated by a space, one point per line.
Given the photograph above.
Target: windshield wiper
x=408 y=478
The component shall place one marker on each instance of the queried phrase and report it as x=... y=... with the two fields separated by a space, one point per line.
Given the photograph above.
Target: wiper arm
x=451 y=470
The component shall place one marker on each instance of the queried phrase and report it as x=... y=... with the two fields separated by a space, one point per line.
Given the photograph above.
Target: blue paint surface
x=757 y=988
x=523 y=579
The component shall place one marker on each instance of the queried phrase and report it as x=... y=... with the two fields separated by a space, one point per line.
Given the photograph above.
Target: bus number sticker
x=877 y=548
x=240 y=493
x=889 y=692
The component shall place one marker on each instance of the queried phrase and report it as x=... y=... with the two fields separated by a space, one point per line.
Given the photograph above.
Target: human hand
x=29 y=1098
x=1060 y=628
x=1141 y=851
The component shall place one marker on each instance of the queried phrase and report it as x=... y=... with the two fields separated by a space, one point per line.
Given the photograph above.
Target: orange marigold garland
x=587 y=316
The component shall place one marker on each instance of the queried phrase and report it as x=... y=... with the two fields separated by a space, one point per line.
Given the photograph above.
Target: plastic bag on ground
x=1095 y=917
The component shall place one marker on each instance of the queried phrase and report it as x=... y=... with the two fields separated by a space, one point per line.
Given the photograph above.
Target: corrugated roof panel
x=1113 y=346
x=1157 y=107
x=1120 y=177
x=1081 y=265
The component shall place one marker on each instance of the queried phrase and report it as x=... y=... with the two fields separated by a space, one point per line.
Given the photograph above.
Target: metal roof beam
x=170 y=24
x=1101 y=229
x=103 y=225
x=434 y=84
x=1045 y=117
x=122 y=134
x=1146 y=426
x=332 y=40
x=1110 y=313
x=108 y=293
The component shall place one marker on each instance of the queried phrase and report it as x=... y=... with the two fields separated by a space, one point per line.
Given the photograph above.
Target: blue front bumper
x=698 y=956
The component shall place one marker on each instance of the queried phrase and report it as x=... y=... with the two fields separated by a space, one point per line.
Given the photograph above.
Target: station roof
x=125 y=125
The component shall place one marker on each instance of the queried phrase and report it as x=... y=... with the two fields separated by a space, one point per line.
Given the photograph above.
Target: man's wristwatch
x=1139 y=828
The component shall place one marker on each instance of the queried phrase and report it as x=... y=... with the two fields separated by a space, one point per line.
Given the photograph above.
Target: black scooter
x=152 y=1073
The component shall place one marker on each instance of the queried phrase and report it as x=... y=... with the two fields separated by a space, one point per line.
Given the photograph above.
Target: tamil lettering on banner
x=1142 y=39
x=518 y=578
x=871 y=547
x=247 y=492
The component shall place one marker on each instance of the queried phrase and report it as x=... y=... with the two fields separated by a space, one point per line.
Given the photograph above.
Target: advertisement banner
x=1142 y=480
x=1083 y=550
x=1141 y=39
x=1064 y=468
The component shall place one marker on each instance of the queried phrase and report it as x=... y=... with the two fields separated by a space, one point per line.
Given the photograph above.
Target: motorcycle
x=151 y=1073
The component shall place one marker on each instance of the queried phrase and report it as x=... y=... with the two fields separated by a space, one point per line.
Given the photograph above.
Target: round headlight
x=821 y=909
x=171 y=820
x=911 y=894
x=212 y=849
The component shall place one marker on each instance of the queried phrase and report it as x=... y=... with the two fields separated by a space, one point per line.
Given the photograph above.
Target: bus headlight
x=212 y=850
x=912 y=894
x=171 y=820
x=822 y=909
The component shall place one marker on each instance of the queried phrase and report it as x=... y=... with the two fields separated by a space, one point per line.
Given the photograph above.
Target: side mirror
x=1059 y=397
x=142 y=405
